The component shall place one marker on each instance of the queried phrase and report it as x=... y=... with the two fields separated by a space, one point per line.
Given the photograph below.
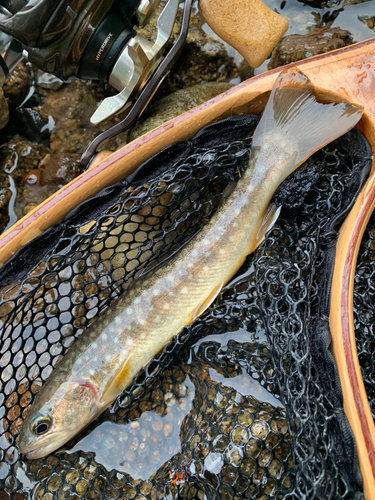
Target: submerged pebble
x=294 y=48
x=4 y=110
x=17 y=85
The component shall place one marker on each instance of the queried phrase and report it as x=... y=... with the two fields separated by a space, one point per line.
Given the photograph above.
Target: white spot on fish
x=79 y=361
x=95 y=359
x=205 y=268
x=128 y=341
x=94 y=345
x=116 y=340
x=194 y=253
x=117 y=320
x=129 y=310
x=137 y=300
x=206 y=241
x=170 y=277
x=184 y=290
x=108 y=357
x=190 y=276
x=237 y=212
x=142 y=322
x=235 y=224
x=92 y=372
x=156 y=292
x=104 y=336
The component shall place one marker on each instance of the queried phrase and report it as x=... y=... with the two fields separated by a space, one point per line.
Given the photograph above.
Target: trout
x=110 y=353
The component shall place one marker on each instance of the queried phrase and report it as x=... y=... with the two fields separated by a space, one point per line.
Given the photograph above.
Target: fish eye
x=41 y=425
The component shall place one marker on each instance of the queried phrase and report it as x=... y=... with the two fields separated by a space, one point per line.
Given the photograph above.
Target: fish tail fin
x=294 y=116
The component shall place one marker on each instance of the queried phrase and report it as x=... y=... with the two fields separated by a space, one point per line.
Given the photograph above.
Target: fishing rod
x=100 y=40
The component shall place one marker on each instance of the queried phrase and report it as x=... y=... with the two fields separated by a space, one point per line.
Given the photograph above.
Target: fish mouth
x=40 y=449
x=39 y=453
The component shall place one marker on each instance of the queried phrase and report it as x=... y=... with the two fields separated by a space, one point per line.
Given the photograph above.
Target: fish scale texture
x=243 y=403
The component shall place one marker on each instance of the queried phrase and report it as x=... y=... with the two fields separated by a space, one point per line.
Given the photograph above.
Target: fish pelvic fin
x=117 y=384
x=268 y=221
x=293 y=117
x=205 y=304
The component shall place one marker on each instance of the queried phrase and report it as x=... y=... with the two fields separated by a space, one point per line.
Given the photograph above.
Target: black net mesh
x=244 y=403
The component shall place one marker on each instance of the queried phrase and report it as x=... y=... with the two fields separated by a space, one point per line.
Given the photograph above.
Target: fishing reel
x=88 y=39
x=98 y=40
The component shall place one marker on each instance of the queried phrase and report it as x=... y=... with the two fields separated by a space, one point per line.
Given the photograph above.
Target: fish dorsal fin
x=269 y=219
x=117 y=384
x=205 y=304
x=294 y=117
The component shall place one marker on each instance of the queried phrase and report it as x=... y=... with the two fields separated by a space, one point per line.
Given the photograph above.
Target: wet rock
x=4 y=110
x=245 y=71
x=19 y=156
x=71 y=109
x=32 y=125
x=45 y=82
x=203 y=59
x=369 y=21
x=352 y=2
x=5 y=197
x=296 y=47
x=60 y=168
x=329 y=4
x=17 y=86
x=173 y=105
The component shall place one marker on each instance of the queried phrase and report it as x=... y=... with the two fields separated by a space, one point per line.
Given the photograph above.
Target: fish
x=108 y=355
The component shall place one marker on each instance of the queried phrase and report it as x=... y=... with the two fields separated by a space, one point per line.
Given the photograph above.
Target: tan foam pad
x=247 y=25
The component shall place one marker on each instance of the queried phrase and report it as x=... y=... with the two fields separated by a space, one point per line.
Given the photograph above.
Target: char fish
x=105 y=359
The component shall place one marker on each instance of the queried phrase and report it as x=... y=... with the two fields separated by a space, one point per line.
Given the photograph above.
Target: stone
x=30 y=124
x=203 y=59
x=17 y=85
x=4 y=110
x=175 y=104
x=297 y=47
x=60 y=168
x=71 y=108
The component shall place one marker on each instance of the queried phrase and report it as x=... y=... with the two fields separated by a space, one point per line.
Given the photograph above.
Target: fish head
x=56 y=416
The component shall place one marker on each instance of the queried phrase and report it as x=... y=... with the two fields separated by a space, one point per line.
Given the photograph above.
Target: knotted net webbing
x=244 y=403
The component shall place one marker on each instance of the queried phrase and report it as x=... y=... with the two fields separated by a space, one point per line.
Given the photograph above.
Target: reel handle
x=247 y=25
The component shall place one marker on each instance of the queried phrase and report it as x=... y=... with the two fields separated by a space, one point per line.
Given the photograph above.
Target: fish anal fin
x=206 y=303
x=117 y=384
x=269 y=219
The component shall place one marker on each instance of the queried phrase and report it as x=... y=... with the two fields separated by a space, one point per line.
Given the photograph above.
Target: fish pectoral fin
x=269 y=219
x=117 y=384
x=206 y=303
